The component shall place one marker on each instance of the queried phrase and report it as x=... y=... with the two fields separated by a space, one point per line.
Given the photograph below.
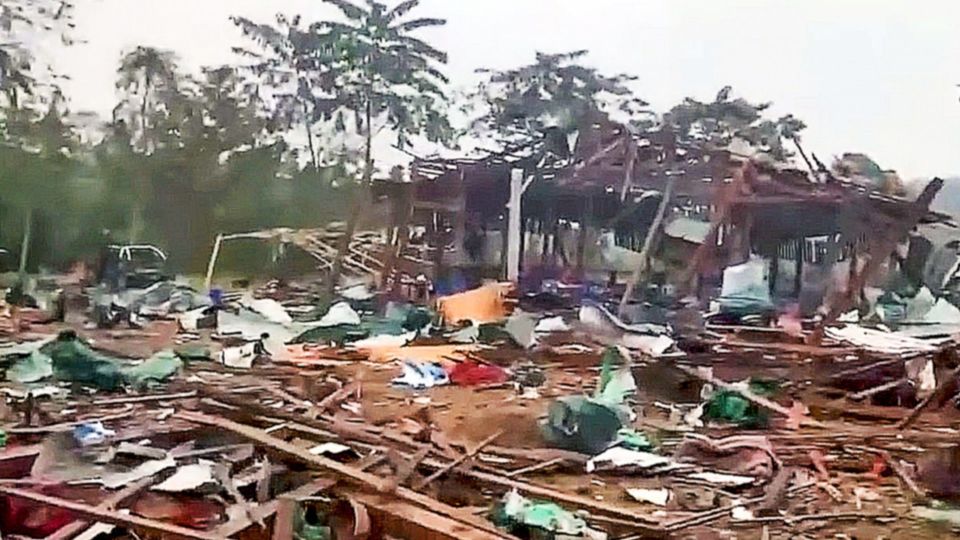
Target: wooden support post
x=586 y=218
x=798 y=267
x=213 y=262
x=853 y=262
x=460 y=222
x=283 y=524
x=631 y=149
x=724 y=206
x=513 y=225
x=774 y=269
x=402 y=219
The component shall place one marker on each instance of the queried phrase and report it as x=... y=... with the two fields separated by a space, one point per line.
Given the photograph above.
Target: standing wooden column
x=585 y=218
x=513 y=225
x=460 y=221
x=798 y=276
x=854 y=263
x=774 y=269
x=549 y=229
x=402 y=233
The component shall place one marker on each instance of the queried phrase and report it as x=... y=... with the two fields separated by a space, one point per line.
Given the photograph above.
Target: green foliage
x=718 y=123
x=367 y=67
x=379 y=68
x=553 y=95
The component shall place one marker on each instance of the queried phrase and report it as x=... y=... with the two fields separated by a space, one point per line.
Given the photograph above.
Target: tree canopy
x=548 y=99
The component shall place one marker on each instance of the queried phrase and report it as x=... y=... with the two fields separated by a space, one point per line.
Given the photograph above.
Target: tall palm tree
x=145 y=73
x=381 y=70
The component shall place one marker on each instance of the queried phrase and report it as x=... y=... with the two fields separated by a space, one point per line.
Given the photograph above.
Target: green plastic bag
x=634 y=440
x=590 y=425
x=730 y=406
x=305 y=530
x=527 y=518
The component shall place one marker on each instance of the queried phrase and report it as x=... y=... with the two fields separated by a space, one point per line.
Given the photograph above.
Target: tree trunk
x=137 y=211
x=25 y=243
x=310 y=145
x=359 y=205
x=136 y=219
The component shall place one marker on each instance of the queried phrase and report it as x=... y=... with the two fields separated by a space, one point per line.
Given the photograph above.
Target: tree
x=36 y=166
x=292 y=63
x=718 y=123
x=147 y=79
x=22 y=24
x=35 y=140
x=540 y=104
x=381 y=71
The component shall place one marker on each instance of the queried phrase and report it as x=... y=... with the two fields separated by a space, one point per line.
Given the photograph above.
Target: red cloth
x=469 y=373
x=27 y=518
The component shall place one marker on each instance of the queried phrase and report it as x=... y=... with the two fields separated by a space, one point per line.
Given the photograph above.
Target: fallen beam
x=464 y=457
x=66 y=426
x=348 y=472
x=145 y=399
x=945 y=385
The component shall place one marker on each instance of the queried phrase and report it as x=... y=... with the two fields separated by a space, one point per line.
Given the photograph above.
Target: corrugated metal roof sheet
x=689 y=229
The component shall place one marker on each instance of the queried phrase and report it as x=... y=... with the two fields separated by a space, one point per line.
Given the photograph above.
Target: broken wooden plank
x=334 y=398
x=266 y=510
x=283 y=524
x=465 y=456
x=146 y=399
x=937 y=393
x=535 y=467
x=872 y=391
x=348 y=472
x=113 y=517
x=66 y=426
x=642 y=523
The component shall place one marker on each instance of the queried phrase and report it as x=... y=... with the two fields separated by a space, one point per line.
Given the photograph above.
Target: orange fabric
x=486 y=304
x=419 y=353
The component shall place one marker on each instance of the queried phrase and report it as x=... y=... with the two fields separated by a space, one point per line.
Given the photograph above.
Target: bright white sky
x=875 y=76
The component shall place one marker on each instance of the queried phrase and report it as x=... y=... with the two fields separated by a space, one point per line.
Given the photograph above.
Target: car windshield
x=145 y=258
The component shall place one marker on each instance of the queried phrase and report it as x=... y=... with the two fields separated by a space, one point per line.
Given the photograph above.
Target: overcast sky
x=875 y=76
